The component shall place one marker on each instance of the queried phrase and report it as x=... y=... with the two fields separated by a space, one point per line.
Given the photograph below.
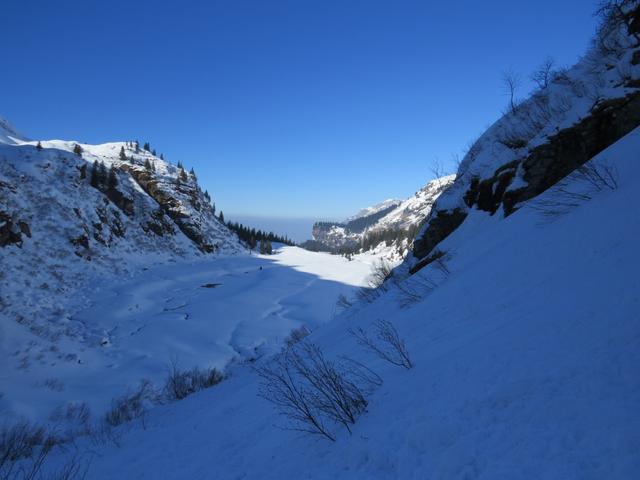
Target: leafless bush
x=414 y=289
x=577 y=188
x=23 y=449
x=544 y=73
x=76 y=468
x=616 y=26
x=516 y=135
x=511 y=82
x=131 y=406
x=296 y=335
x=387 y=343
x=343 y=302
x=182 y=383
x=380 y=273
x=312 y=391
x=54 y=384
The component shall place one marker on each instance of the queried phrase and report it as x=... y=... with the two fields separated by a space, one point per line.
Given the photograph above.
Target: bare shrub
x=380 y=273
x=182 y=383
x=76 y=468
x=54 y=384
x=282 y=387
x=75 y=414
x=312 y=391
x=387 y=343
x=23 y=441
x=296 y=335
x=343 y=302
x=615 y=14
x=131 y=406
x=414 y=289
x=544 y=73
x=511 y=82
x=577 y=188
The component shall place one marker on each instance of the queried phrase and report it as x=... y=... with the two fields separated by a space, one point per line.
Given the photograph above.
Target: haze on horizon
x=284 y=110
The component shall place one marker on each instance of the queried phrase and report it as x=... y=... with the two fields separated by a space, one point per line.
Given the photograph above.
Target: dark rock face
x=441 y=225
x=435 y=255
x=487 y=194
x=542 y=168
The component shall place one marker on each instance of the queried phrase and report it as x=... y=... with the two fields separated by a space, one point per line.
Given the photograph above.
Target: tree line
x=252 y=237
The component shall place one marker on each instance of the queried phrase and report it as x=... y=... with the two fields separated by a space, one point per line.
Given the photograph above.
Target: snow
x=372 y=210
x=407 y=214
x=525 y=357
x=205 y=313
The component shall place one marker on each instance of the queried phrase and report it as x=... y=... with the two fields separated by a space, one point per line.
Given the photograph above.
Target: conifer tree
x=162 y=156
x=102 y=174
x=147 y=164
x=123 y=156
x=147 y=147
x=153 y=152
x=137 y=147
x=77 y=149
x=183 y=175
x=112 y=182
x=39 y=146
x=94 y=175
x=221 y=217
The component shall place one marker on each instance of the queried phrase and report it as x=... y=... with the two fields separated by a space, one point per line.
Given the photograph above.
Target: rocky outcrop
x=542 y=147
x=441 y=225
x=12 y=230
x=173 y=207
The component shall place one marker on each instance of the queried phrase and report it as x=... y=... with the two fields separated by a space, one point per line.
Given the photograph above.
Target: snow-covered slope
x=579 y=113
x=65 y=230
x=386 y=228
x=204 y=313
x=525 y=366
x=372 y=210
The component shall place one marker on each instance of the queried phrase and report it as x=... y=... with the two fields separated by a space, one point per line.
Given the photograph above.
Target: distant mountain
x=388 y=225
x=72 y=214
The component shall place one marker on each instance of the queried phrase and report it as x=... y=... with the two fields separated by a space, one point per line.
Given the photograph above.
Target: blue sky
x=284 y=108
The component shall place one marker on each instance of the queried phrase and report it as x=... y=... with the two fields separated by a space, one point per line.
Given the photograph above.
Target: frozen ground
x=205 y=313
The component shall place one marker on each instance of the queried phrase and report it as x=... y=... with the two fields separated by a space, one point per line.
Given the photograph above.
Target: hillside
x=504 y=346
x=576 y=114
x=67 y=228
x=524 y=367
x=386 y=228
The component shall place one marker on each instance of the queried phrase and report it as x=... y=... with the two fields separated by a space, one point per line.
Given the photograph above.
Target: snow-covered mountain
x=74 y=215
x=386 y=228
x=576 y=114
x=386 y=205
x=506 y=346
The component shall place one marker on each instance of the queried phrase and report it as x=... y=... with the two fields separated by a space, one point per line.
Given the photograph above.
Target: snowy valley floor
x=526 y=360
x=205 y=314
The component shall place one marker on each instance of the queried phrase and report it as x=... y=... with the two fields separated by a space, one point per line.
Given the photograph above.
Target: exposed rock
x=568 y=149
x=11 y=231
x=441 y=225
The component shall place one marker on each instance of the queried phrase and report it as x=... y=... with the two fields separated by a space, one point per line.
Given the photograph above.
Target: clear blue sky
x=284 y=108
